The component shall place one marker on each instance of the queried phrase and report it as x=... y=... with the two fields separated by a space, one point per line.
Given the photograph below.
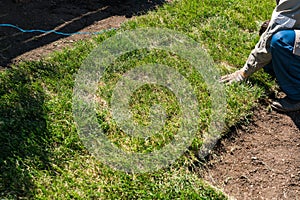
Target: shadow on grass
x=24 y=140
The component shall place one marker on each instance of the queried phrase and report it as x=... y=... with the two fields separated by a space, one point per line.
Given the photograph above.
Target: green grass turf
x=41 y=154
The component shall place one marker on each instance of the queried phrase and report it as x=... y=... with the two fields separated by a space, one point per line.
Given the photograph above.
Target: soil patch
x=260 y=160
x=67 y=16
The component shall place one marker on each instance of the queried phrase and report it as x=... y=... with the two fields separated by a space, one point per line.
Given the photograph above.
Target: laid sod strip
x=42 y=156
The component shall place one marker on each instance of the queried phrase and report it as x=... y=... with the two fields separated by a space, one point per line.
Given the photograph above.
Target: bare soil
x=258 y=160
x=67 y=16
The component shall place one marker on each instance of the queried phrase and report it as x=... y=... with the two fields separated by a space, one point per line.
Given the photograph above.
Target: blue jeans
x=285 y=65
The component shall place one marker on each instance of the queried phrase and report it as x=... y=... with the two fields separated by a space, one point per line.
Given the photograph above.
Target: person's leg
x=286 y=65
x=269 y=70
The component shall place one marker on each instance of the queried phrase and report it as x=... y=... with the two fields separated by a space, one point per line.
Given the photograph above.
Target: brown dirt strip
x=66 y=16
x=260 y=160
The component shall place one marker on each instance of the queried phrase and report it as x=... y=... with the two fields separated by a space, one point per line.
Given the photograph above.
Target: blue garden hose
x=55 y=32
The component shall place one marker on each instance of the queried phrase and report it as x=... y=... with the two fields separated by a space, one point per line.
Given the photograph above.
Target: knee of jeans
x=283 y=38
x=276 y=39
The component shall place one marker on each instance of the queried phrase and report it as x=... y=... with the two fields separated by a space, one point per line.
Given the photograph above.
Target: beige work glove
x=236 y=76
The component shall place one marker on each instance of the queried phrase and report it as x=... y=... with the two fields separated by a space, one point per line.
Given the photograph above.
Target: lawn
x=42 y=155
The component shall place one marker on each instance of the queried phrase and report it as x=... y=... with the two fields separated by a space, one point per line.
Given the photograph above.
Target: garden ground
x=258 y=159
x=61 y=15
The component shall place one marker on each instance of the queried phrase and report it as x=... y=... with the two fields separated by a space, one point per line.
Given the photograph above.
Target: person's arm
x=284 y=17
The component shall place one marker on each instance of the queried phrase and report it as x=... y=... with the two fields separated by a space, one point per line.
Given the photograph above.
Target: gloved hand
x=236 y=76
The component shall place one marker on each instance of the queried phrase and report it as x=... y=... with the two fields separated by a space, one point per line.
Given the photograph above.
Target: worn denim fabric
x=285 y=64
